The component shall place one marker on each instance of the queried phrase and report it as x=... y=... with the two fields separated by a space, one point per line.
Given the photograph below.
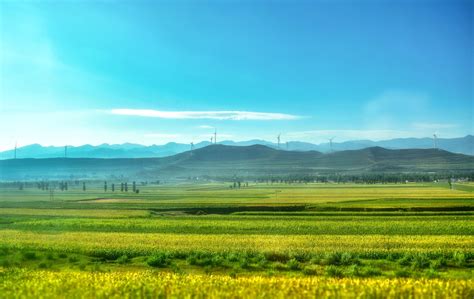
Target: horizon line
x=226 y=140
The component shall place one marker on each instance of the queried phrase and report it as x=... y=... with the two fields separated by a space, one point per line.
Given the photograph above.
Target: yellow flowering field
x=151 y=284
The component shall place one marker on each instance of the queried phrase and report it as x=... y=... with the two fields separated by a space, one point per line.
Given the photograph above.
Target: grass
x=378 y=239
x=148 y=284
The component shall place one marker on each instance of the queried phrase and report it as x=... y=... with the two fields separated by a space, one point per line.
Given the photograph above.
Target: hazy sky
x=75 y=72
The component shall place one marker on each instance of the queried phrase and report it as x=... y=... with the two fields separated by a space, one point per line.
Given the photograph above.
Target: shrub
x=50 y=256
x=244 y=263
x=439 y=263
x=316 y=260
x=459 y=259
x=280 y=266
x=308 y=270
x=270 y=273
x=301 y=256
x=43 y=265
x=217 y=260
x=293 y=264
x=431 y=273
x=421 y=261
x=333 y=271
x=176 y=269
x=402 y=273
x=405 y=260
x=332 y=258
x=159 y=260
x=73 y=259
x=233 y=257
x=123 y=259
x=276 y=257
x=191 y=259
x=30 y=255
x=354 y=270
x=108 y=254
x=348 y=259
x=370 y=271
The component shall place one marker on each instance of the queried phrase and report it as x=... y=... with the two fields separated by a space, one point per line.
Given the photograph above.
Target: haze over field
x=463 y=145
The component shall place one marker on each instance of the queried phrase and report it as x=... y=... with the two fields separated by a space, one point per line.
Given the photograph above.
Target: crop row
x=262 y=225
x=133 y=244
x=150 y=284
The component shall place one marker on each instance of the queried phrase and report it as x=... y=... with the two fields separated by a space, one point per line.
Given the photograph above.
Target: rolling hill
x=463 y=145
x=222 y=160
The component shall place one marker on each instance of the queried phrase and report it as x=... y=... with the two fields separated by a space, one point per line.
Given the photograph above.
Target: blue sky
x=76 y=72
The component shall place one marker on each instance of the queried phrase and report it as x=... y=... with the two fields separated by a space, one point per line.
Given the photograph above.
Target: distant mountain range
x=463 y=145
x=243 y=161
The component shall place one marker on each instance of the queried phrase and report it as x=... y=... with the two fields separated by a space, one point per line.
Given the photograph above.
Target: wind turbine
x=330 y=143
x=435 y=141
x=65 y=151
x=278 y=138
x=14 y=155
x=215 y=136
x=192 y=146
x=287 y=145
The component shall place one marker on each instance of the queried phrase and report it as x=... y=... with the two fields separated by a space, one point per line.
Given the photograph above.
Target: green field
x=317 y=235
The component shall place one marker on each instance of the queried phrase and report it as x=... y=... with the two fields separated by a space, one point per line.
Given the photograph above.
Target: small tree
x=113 y=187
x=121 y=187
x=105 y=186
x=126 y=187
x=134 y=186
x=83 y=186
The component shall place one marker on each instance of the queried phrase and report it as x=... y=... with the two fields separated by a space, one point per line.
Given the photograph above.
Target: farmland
x=261 y=240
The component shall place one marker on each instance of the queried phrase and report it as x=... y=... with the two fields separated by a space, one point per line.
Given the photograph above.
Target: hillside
x=463 y=145
x=222 y=160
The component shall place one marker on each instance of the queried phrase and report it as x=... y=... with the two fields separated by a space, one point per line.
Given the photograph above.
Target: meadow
x=261 y=240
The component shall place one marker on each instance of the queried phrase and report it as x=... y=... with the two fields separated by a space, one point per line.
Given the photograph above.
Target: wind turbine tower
x=215 y=136
x=192 y=146
x=14 y=153
x=435 y=141
x=330 y=143
x=278 y=138
x=65 y=151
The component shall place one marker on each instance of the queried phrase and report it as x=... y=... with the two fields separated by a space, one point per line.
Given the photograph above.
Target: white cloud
x=220 y=115
x=163 y=138
x=162 y=135
x=434 y=126
x=205 y=127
